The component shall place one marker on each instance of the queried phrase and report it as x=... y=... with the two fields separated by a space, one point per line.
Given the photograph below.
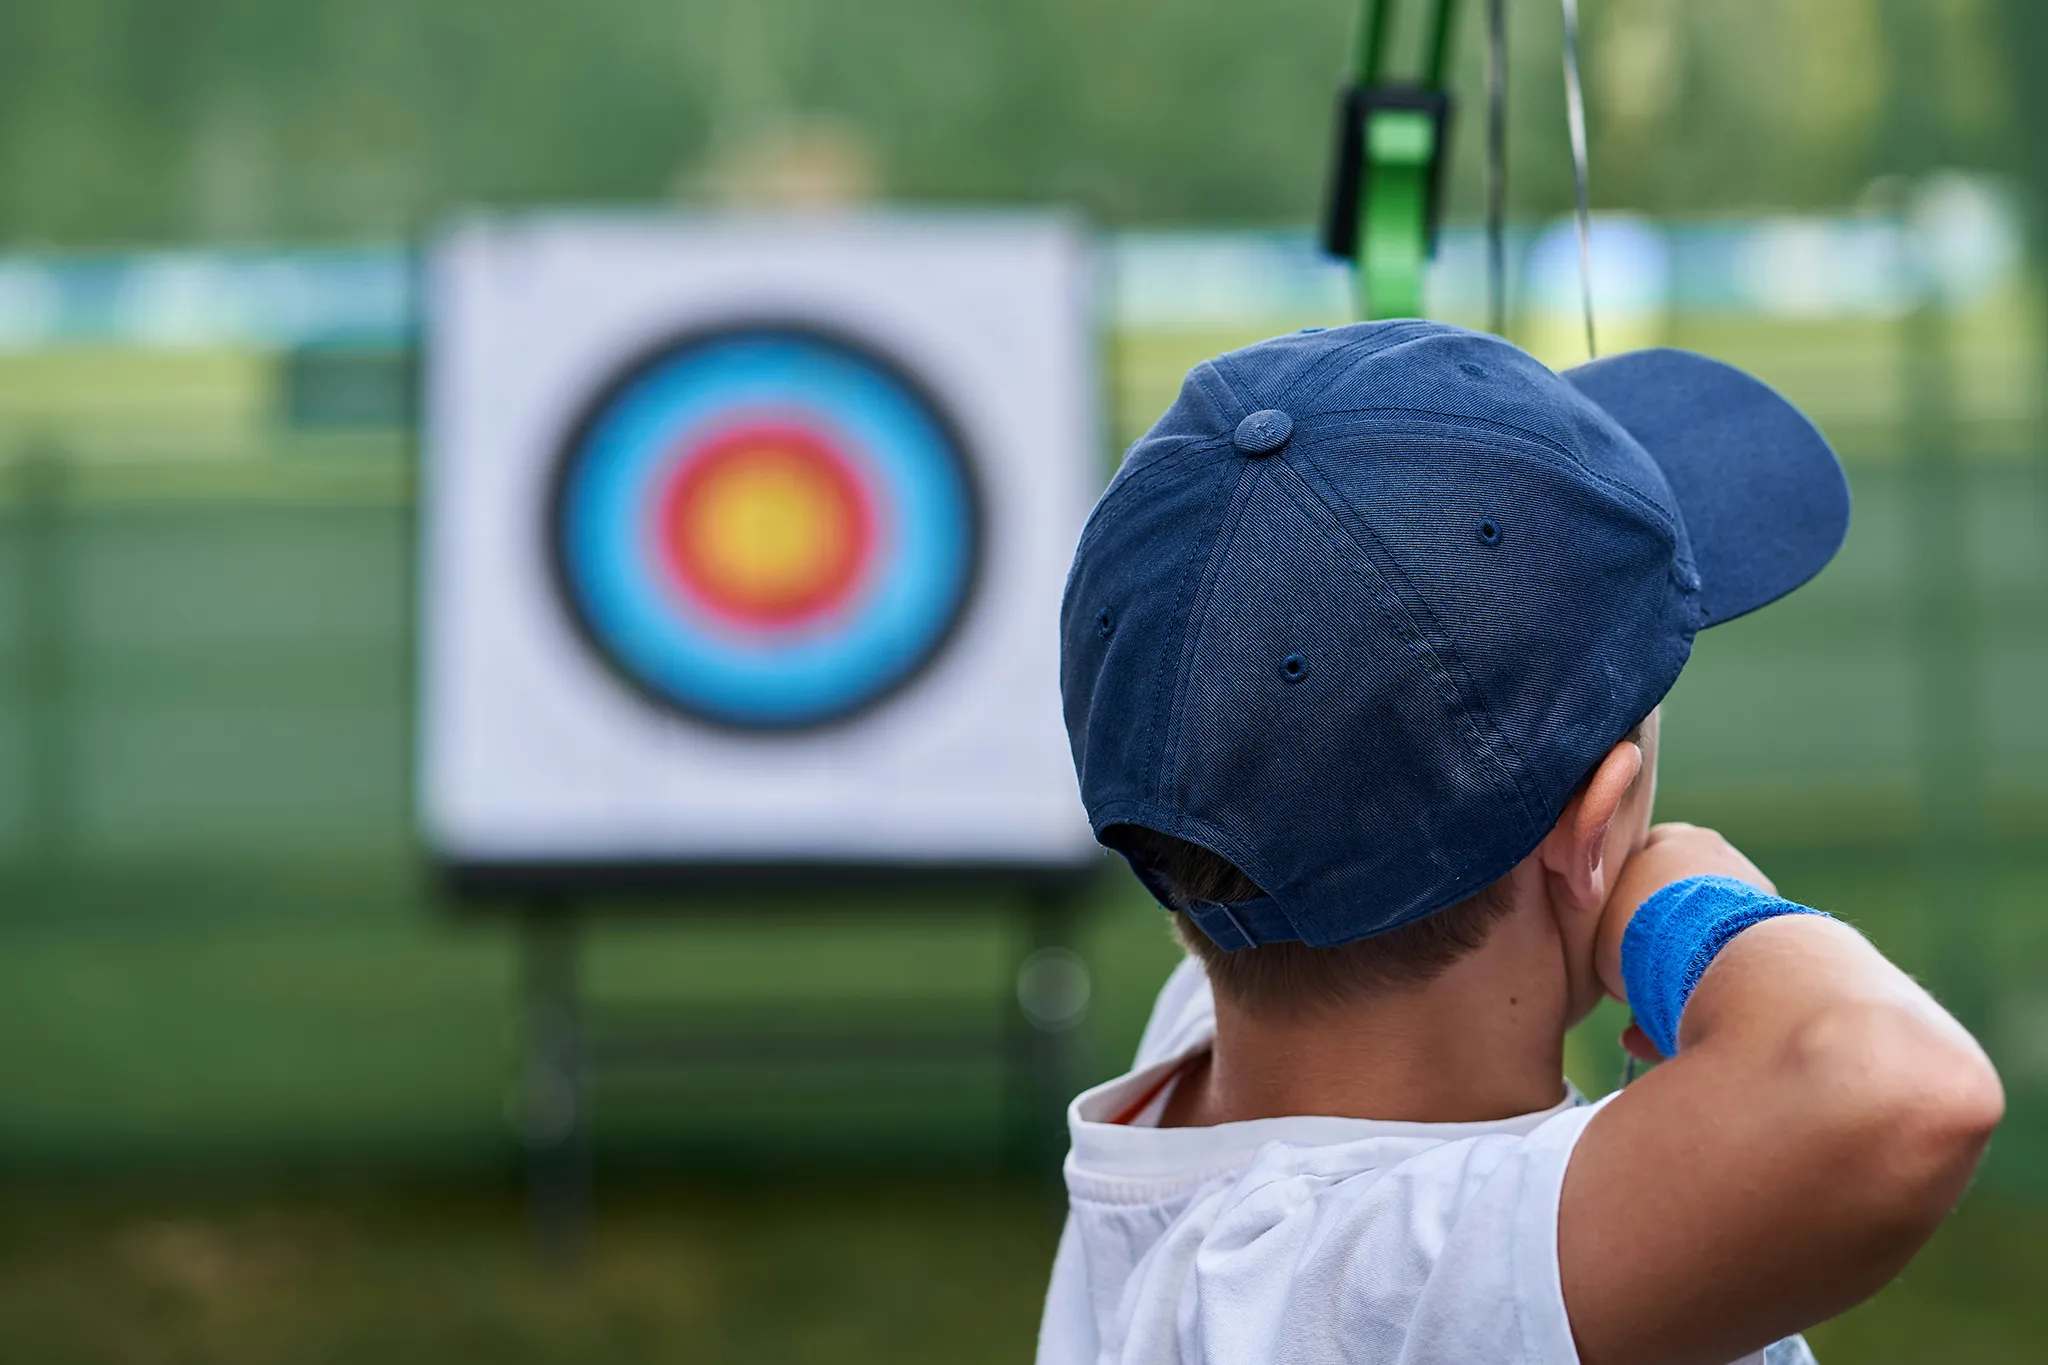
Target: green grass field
x=765 y=1272
x=258 y=1075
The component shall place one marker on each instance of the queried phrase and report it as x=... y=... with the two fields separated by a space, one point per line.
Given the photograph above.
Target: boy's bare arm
x=1821 y=1118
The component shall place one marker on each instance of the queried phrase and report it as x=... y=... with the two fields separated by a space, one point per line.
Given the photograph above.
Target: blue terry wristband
x=1674 y=938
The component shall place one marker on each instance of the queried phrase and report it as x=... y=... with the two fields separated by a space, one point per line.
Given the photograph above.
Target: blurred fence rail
x=216 y=936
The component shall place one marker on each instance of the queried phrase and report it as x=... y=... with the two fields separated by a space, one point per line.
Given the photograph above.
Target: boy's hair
x=1280 y=979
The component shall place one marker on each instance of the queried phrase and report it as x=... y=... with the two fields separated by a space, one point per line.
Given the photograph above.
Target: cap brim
x=1763 y=497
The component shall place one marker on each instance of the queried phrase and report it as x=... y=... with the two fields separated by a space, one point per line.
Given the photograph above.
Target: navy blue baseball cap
x=1366 y=606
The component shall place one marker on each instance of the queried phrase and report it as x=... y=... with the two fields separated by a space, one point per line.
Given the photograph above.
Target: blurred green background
x=255 y=1075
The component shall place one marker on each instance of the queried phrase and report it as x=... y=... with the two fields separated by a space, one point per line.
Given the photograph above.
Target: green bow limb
x=1389 y=165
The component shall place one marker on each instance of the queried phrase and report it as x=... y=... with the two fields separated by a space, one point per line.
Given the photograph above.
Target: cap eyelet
x=1294 y=668
x=1489 y=531
x=1105 y=624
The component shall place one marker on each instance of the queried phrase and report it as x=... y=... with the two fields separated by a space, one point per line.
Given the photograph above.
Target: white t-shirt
x=1287 y=1240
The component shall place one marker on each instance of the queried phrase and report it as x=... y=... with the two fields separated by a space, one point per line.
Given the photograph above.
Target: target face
x=765 y=527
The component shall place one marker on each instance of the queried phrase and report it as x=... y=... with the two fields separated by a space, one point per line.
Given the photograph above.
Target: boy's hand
x=1671 y=853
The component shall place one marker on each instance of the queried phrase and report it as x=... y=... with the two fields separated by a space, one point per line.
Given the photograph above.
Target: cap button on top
x=1264 y=431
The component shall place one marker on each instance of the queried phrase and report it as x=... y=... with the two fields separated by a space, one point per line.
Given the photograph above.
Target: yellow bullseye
x=768 y=528
x=765 y=527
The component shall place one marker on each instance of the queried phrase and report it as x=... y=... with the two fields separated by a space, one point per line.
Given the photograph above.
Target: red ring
x=814 y=456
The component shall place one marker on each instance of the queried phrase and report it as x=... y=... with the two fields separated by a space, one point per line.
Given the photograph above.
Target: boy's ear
x=1575 y=852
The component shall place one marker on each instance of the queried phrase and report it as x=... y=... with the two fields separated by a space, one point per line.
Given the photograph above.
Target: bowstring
x=1496 y=165
x=1575 y=115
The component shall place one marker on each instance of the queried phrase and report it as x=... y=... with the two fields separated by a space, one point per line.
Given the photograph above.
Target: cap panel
x=1319 y=729
x=1763 y=498
x=1555 y=594
x=1486 y=385
x=1125 y=615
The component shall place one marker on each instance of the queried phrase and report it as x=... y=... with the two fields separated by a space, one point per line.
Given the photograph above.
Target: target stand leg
x=1053 y=989
x=552 y=1084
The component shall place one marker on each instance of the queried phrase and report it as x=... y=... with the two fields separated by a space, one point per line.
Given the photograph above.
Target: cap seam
x=1245 y=400
x=1160 y=666
x=1191 y=637
x=1110 y=507
x=1386 y=337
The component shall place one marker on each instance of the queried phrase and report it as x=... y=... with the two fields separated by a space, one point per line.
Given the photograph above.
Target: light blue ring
x=925 y=530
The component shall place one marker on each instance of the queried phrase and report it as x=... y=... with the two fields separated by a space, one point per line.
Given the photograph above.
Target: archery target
x=743 y=542
x=766 y=526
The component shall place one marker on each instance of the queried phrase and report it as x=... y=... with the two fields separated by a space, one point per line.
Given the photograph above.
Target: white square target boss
x=744 y=541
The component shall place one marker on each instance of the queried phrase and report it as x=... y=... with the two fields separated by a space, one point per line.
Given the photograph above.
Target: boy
x=1362 y=650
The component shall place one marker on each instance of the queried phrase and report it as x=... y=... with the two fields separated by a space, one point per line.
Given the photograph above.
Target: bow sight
x=1386 y=184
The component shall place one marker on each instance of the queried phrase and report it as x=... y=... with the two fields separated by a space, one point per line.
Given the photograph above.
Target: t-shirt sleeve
x=1476 y=1300
x=1494 y=1291
x=1066 y=1329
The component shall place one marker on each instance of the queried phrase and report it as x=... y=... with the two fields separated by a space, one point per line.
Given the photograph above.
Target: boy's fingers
x=1637 y=1044
x=1674 y=852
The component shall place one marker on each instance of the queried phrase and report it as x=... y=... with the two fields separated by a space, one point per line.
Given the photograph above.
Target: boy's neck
x=1485 y=1040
